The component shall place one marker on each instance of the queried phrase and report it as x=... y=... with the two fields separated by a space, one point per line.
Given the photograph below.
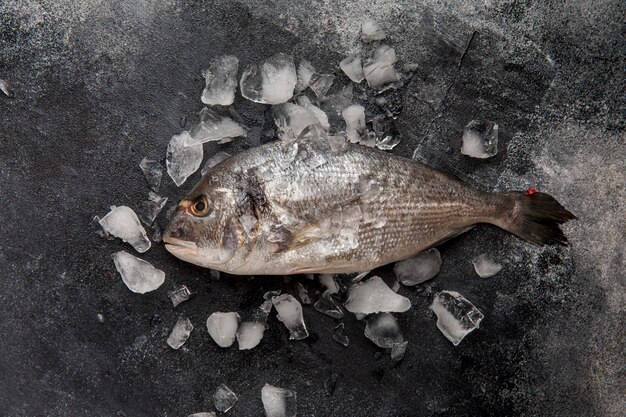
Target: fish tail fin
x=534 y=216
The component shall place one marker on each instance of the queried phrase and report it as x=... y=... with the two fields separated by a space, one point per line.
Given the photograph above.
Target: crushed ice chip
x=221 y=81
x=291 y=119
x=456 y=316
x=180 y=333
x=388 y=142
x=379 y=69
x=480 y=139
x=354 y=117
x=352 y=67
x=398 y=350
x=327 y=305
x=320 y=84
x=122 y=222
x=373 y=296
x=271 y=83
x=213 y=127
x=250 y=332
x=486 y=267
x=329 y=282
x=290 y=314
x=321 y=116
x=214 y=160
x=305 y=72
x=303 y=294
x=383 y=330
x=153 y=173
x=179 y=295
x=371 y=31
x=278 y=402
x=224 y=398
x=151 y=208
x=223 y=327
x=138 y=275
x=339 y=337
x=422 y=267
x=182 y=160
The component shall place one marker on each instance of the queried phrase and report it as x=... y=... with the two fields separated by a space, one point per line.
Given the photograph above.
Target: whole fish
x=322 y=205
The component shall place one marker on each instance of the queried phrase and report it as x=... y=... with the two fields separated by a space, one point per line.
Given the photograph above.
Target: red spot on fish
x=531 y=191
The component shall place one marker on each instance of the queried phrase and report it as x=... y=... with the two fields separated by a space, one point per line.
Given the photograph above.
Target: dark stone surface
x=101 y=85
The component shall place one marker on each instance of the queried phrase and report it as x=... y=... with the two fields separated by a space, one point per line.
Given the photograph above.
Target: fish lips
x=182 y=249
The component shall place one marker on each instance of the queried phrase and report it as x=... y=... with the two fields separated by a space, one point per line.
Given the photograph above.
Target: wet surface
x=99 y=88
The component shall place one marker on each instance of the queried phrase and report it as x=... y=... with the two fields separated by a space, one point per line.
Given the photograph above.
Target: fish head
x=201 y=230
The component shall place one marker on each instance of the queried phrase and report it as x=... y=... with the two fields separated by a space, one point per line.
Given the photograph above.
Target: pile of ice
x=278 y=402
x=486 y=267
x=456 y=316
x=420 y=268
x=480 y=139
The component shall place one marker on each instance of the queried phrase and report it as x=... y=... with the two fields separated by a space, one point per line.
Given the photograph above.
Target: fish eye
x=200 y=207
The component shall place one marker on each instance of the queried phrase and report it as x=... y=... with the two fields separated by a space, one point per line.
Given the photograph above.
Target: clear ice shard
x=250 y=332
x=320 y=84
x=182 y=160
x=213 y=127
x=329 y=282
x=291 y=119
x=223 y=327
x=352 y=67
x=224 y=398
x=398 y=350
x=373 y=296
x=456 y=316
x=278 y=402
x=303 y=294
x=339 y=337
x=214 y=160
x=480 y=139
x=334 y=104
x=321 y=116
x=486 y=267
x=180 y=333
x=203 y=414
x=153 y=173
x=151 y=208
x=122 y=222
x=271 y=83
x=290 y=313
x=305 y=72
x=327 y=305
x=422 y=267
x=138 y=275
x=354 y=117
x=379 y=69
x=179 y=295
x=383 y=330
x=387 y=143
x=221 y=81
x=371 y=31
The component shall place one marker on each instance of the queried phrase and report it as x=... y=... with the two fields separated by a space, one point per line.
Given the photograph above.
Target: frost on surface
x=180 y=333
x=213 y=127
x=373 y=296
x=122 y=222
x=379 y=69
x=383 y=330
x=138 y=275
x=224 y=398
x=327 y=305
x=182 y=160
x=278 y=402
x=320 y=84
x=290 y=314
x=179 y=295
x=352 y=67
x=153 y=173
x=271 y=83
x=486 y=267
x=221 y=81
x=371 y=30
x=291 y=119
x=151 y=208
x=456 y=316
x=480 y=139
x=214 y=160
x=305 y=72
x=422 y=267
x=223 y=327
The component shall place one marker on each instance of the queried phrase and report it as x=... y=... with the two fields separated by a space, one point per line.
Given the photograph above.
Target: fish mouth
x=182 y=249
x=174 y=242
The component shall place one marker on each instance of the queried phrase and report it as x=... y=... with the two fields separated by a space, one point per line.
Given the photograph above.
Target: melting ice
x=278 y=402
x=182 y=160
x=271 y=83
x=290 y=313
x=456 y=316
x=122 y=222
x=485 y=267
x=221 y=81
x=213 y=127
x=383 y=330
x=138 y=275
x=250 y=332
x=223 y=327
x=291 y=119
x=373 y=296
x=480 y=139
x=420 y=268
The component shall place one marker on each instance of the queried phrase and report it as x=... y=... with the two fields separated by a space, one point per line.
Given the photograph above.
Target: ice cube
x=214 y=160
x=6 y=88
x=422 y=267
x=371 y=30
x=305 y=72
x=179 y=295
x=224 y=398
x=221 y=81
x=205 y=414
x=250 y=332
x=182 y=160
x=480 y=139
x=398 y=350
x=354 y=116
x=151 y=208
x=122 y=222
x=223 y=327
x=339 y=337
x=321 y=116
x=273 y=83
x=383 y=330
x=278 y=402
x=352 y=67
x=152 y=170
x=290 y=313
x=180 y=333
x=456 y=316
x=329 y=282
x=485 y=267
x=291 y=119
x=303 y=294
x=327 y=305
x=320 y=84
x=373 y=296
x=379 y=69
x=213 y=127
x=138 y=275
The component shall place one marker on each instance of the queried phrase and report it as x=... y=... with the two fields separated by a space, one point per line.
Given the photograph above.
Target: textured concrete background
x=99 y=85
